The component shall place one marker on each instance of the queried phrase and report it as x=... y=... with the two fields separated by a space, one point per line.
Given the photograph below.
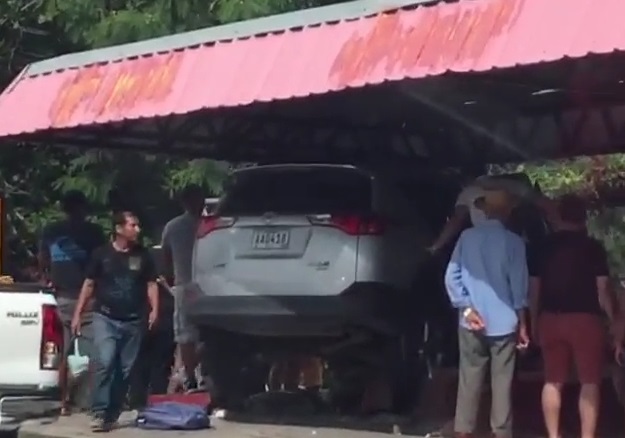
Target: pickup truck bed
x=30 y=343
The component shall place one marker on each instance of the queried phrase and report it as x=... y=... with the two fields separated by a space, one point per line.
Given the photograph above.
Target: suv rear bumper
x=362 y=306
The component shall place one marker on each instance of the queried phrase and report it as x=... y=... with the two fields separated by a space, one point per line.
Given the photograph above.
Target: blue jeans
x=115 y=348
x=152 y=368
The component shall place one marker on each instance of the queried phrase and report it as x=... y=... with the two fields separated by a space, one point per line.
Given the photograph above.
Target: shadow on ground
x=300 y=409
x=293 y=411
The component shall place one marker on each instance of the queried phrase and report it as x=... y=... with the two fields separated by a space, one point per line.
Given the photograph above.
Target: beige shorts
x=184 y=331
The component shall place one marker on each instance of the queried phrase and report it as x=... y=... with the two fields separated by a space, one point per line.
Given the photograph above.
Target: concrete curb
x=64 y=427
x=47 y=428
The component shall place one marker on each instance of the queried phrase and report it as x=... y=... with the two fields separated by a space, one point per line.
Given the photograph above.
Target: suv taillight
x=352 y=224
x=51 y=338
x=208 y=224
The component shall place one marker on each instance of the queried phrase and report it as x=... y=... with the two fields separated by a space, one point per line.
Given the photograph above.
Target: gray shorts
x=66 y=307
x=184 y=331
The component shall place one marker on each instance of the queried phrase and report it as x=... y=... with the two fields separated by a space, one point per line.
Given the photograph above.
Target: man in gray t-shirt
x=177 y=243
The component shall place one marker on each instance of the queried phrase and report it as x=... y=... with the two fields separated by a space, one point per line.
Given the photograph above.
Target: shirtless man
x=466 y=209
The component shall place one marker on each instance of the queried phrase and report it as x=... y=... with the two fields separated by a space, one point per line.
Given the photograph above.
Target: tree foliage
x=601 y=181
x=103 y=23
x=33 y=178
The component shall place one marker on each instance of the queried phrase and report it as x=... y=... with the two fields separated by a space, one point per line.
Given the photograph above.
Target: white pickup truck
x=31 y=345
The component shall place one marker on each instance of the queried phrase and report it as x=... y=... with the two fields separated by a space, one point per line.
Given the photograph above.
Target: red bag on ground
x=202 y=399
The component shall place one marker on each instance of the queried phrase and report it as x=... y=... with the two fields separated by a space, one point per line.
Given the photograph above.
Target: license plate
x=271 y=239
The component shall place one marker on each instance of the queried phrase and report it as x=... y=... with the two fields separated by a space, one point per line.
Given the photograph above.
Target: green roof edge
x=242 y=29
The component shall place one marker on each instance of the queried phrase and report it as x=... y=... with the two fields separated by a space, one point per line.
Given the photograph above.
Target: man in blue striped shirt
x=487 y=281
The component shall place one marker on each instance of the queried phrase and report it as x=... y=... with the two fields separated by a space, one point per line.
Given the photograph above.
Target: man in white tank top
x=177 y=242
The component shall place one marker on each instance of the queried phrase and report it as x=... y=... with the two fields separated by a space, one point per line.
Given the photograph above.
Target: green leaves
x=33 y=178
x=228 y=11
x=601 y=180
x=98 y=23
x=206 y=173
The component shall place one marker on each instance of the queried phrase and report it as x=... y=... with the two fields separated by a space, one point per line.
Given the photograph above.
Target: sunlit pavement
x=528 y=420
x=78 y=425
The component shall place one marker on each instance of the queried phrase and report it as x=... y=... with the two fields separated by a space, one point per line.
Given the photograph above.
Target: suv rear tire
x=234 y=370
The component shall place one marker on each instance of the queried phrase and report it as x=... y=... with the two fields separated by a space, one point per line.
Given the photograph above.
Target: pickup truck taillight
x=51 y=338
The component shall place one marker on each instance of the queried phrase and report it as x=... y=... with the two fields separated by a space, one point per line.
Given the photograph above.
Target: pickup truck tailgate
x=23 y=309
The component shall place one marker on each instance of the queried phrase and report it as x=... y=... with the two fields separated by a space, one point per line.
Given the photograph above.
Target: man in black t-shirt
x=64 y=251
x=121 y=278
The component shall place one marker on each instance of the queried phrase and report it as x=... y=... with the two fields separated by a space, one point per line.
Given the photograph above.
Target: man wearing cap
x=487 y=282
x=177 y=243
x=466 y=212
x=64 y=251
x=569 y=293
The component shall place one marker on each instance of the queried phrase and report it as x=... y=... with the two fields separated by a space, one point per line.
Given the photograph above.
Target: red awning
x=469 y=35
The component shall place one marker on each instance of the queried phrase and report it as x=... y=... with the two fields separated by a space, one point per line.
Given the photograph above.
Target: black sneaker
x=190 y=384
x=99 y=424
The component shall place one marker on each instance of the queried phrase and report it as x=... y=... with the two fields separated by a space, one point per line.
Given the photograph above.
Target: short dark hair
x=121 y=217
x=191 y=192
x=73 y=200
x=572 y=209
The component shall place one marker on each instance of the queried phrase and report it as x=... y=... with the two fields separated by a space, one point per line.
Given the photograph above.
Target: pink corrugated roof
x=469 y=35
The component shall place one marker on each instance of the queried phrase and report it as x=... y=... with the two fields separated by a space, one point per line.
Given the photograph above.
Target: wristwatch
x=467 y=312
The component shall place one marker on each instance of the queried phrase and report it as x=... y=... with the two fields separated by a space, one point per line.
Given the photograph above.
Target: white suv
x=306 y=250
x=305 y=258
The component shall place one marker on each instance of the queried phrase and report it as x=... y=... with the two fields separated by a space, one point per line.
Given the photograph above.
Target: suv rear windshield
x=297 y=190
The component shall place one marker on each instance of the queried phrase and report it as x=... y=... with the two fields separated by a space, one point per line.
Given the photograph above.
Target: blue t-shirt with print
x=69 y=245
